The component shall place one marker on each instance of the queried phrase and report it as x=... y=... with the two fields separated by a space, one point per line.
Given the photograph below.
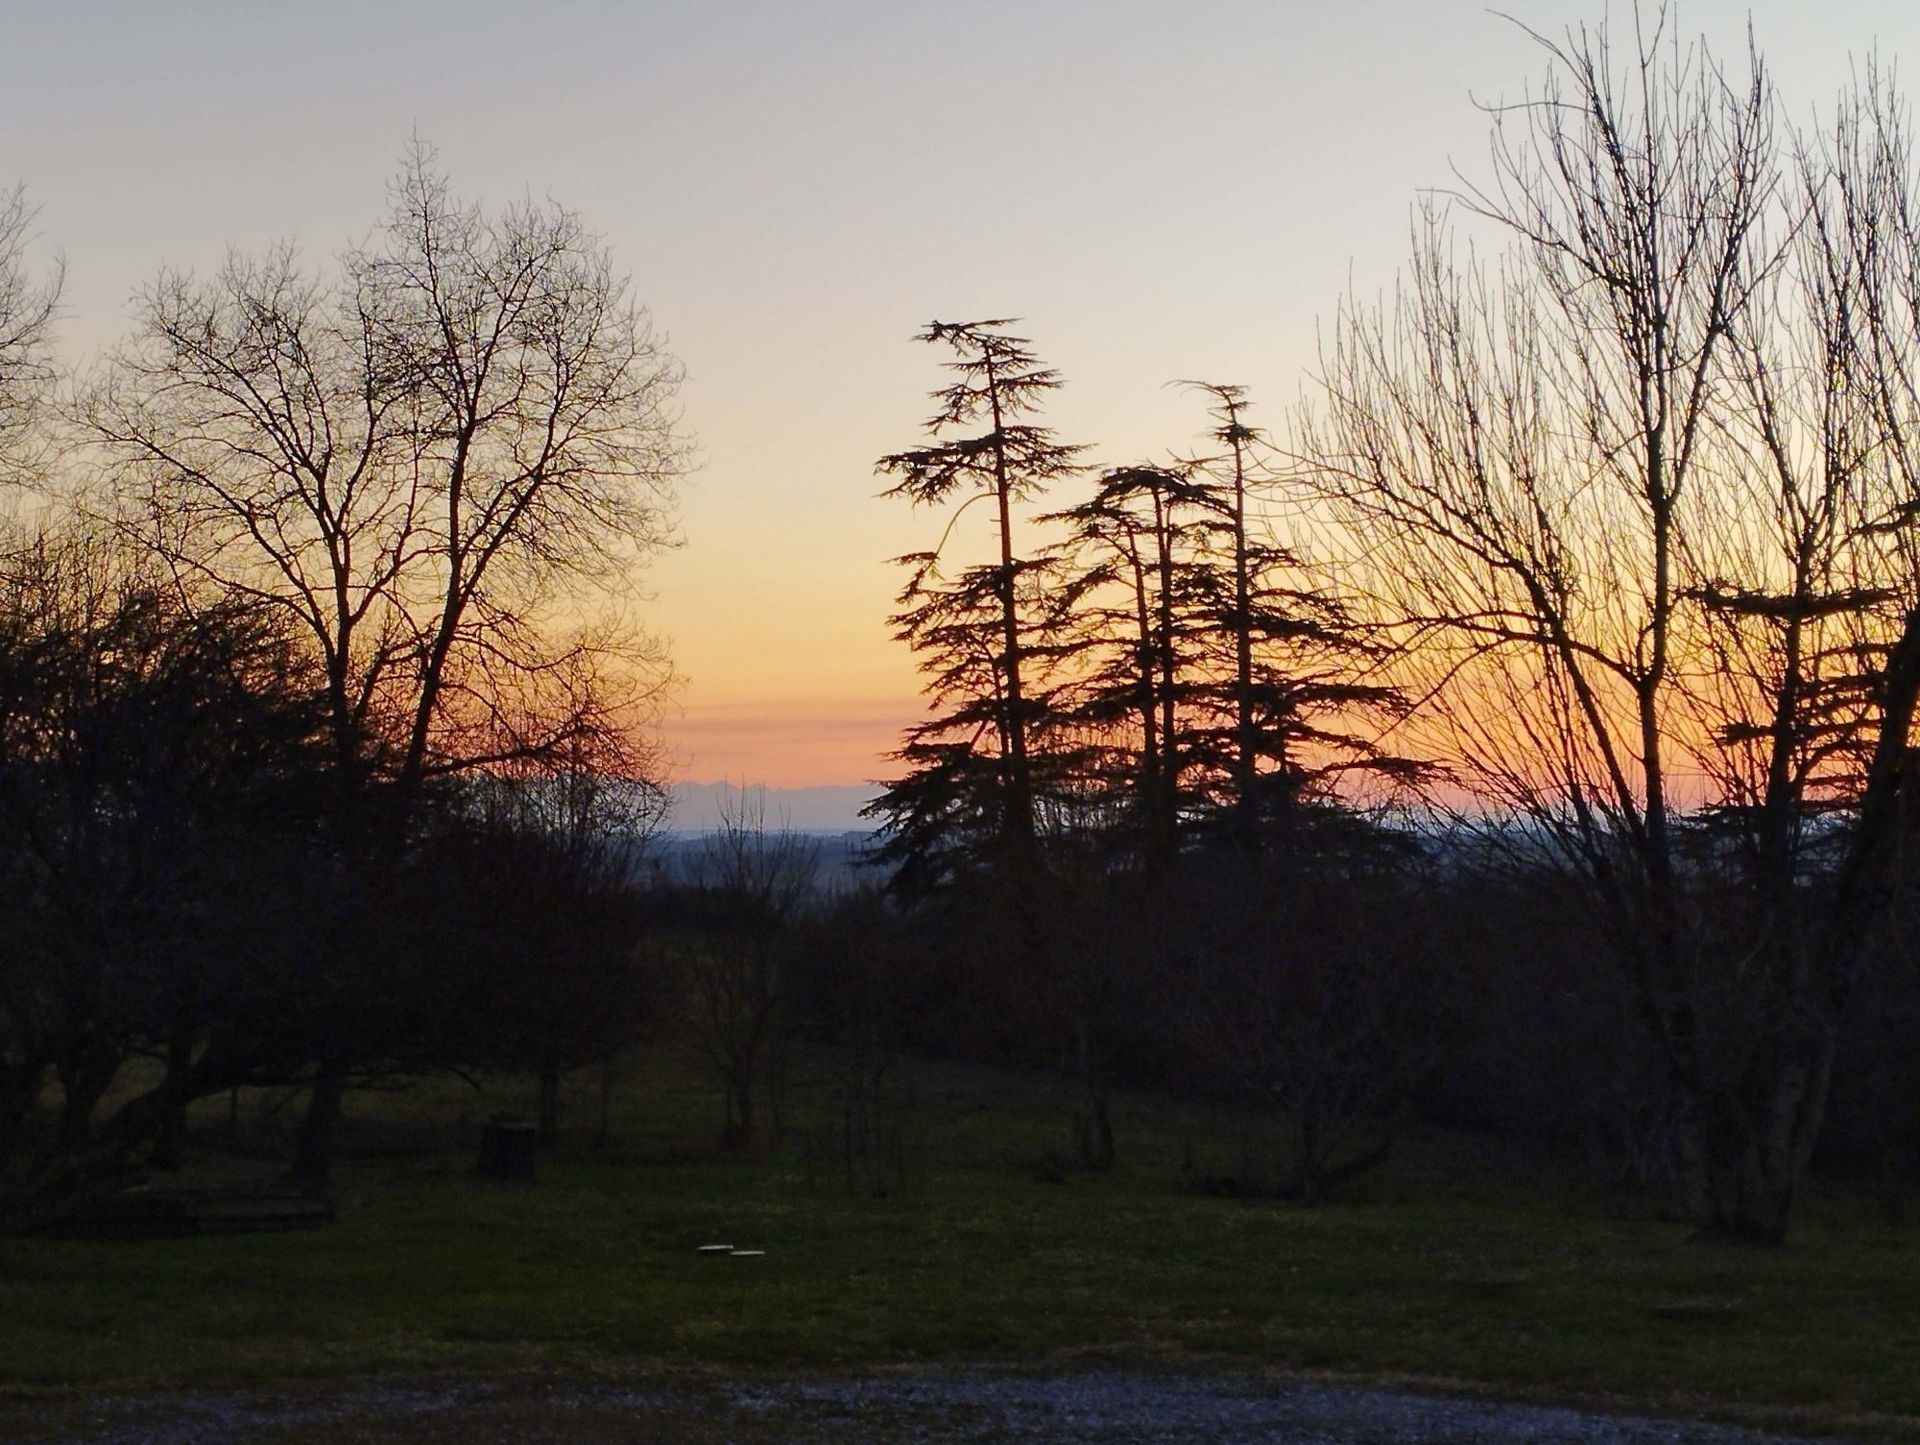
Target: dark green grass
x=1457 y=1265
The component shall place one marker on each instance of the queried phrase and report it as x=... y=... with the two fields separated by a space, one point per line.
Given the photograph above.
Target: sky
x=1158 y=190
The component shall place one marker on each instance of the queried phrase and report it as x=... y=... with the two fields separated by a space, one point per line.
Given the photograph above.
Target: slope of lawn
x=1458 y=1263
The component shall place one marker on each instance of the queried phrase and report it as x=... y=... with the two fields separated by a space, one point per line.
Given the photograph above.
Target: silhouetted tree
x=1310 y=997
x=1225 y=679
x=27 y=305
x=1240 y=440
x=1289 y=683
x=974 y=782
x=435 y=461
x=754 y=889
x=1643 y=496
x=535 y=920
x=163 y=774
x=1138 y=553
x=861 y=974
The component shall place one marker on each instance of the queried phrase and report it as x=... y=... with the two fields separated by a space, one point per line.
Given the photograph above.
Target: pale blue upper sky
x=1160 y=190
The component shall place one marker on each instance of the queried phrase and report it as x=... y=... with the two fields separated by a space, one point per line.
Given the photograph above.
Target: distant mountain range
x=703 y=807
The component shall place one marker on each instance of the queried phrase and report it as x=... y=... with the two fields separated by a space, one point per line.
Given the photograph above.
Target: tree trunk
x=603 y=1128
x=776 y=1076
x=1094 y=1126
x=103 y=1153
x=169 y=1144
x=1745 y=1160
x=85 y=1079
x=549 y=1108
x=19 y=1093
x=313 y=1157
x=736 y=1136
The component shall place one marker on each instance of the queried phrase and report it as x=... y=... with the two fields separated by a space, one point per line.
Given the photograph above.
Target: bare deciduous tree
x=539 y=870
x=440 y=458
x=757 y=884
x=160 y=769
x=27 y=305
x=445 y=458
x=1639 y=490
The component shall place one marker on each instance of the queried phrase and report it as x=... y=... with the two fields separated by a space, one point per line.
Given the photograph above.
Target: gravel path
x=1095 y=1408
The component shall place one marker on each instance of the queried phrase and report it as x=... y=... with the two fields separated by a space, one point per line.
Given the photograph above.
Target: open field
x=1457 y=1266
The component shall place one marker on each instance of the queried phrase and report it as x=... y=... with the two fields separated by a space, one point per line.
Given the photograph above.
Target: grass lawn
x=1456 y=1265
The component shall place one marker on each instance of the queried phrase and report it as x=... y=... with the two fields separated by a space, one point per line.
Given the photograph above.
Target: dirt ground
x=1090 y=1408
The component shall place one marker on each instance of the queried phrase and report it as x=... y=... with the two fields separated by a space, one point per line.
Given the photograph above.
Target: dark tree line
x=186 y=898
x=1144 y=705
x=1618 y=563
x=1153 y=663
x=323 y=743
x=1645 y=495
x=1524 y=742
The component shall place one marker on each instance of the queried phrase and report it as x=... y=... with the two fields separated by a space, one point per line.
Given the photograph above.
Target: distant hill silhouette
x=700 y=807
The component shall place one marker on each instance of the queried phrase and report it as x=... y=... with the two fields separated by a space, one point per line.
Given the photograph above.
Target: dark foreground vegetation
x=1463 y=1263
x=1578 y=600
x=323 y=743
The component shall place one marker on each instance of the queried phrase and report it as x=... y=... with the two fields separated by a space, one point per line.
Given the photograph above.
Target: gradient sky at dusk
x=1160 y=190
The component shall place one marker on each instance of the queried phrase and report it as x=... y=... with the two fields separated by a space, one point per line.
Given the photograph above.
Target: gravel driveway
x=1094 y=1408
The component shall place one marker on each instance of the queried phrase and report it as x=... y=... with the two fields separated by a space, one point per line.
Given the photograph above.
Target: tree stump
x=508 y=1149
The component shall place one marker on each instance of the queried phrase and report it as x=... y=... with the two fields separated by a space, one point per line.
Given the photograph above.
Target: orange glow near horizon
x=786 y=744
x=790 y=226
